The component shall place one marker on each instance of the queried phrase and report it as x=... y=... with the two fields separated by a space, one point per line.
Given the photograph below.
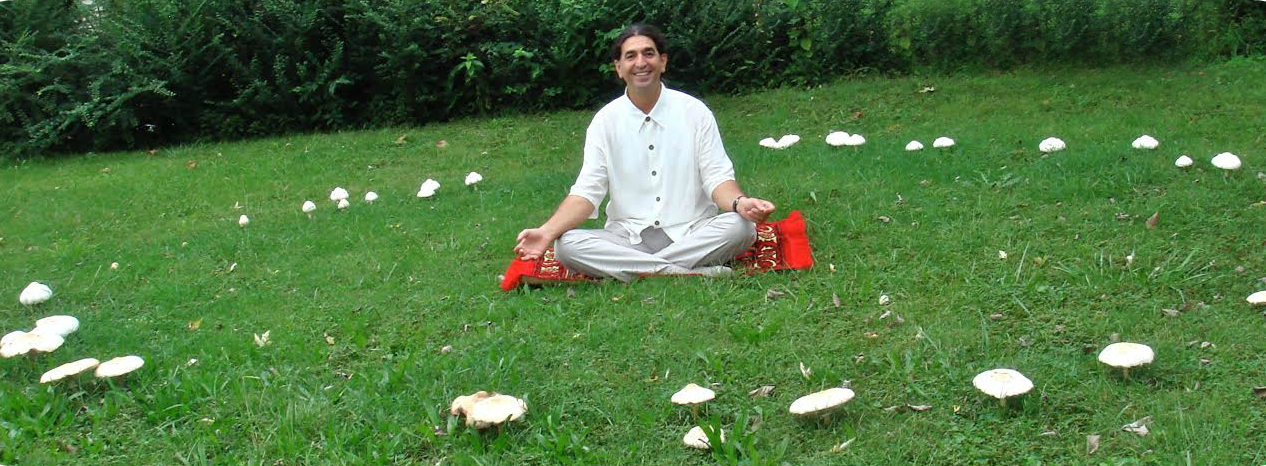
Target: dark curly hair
x=639 y=29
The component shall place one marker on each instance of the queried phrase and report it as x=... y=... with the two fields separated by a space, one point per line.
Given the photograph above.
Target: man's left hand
x=754 y=210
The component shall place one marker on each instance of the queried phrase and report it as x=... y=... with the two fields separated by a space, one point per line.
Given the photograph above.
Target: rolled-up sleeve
x=591 y=184
x=714 y=164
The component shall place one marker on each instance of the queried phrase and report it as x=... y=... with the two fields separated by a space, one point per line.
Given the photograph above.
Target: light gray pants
x=607 y=253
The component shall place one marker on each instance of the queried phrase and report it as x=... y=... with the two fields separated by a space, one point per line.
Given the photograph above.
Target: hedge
x=115 y=74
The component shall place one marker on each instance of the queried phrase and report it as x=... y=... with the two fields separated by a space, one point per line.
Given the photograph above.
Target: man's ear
x=664 y=58
x=615 y=64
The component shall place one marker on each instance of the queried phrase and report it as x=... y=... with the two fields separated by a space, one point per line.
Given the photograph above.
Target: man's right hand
x=532 y=243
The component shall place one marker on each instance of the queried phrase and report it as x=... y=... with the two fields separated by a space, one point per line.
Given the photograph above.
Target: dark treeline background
x=117 y=74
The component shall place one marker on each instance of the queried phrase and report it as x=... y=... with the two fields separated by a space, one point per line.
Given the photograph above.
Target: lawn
x=359 y=303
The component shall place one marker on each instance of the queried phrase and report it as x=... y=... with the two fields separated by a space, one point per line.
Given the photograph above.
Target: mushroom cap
x=426 y=192
x=24 y=343
x=69 y=369
x=943 y=142
x=696 y=438
x=1051 y=145
x=837 y=138
x=1126 y=355
x=1257 y=299
x=308 y=207
x=855 y=140
x=371 y=196
x=770 y=143
x=693 y=394
x=473 y=177
x=338 y=194
x=914 y=145
x=8 y=337
x=35 y=293
x=1145 y=142
x=342 y=204
x=787 y=140
x=243 y=220
x=119 y=366
x=814 y=403
x=1183 y=162
x=1002 y=383
x=1226 y=161
x=462 y=404
x=495 y=410
x=57 y=325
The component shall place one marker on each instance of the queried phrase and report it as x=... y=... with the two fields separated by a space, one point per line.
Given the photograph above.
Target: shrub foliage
x=136 y=73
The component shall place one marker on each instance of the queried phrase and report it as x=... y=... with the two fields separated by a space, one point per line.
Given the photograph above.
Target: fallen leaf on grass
x=761 y=391
x=194 y=324
x=262 y=340
x=192 y=164
x=884 y=218
x=773 y=294
x=446 y=349
x=329 y=339
x=400 y=140
x=571 y=292
x=1092 y=444
x=1171 y=312
x=835 y=300
x=842 y=446
x=805 y=371
x=441 y=144
x=1153 y=221
x=1138 y=427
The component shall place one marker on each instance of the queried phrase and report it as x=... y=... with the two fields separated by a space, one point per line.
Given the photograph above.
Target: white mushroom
x=1146 y=142
x=914 y=145
x=8 y=337
x=1002 y=384
x=309 y=207
x=787 y=140
x=698 y=439
x=114 y=266
x=495 y=410
x=1226 y=161
x=884 y=300
x=769 y=143
x=837 y=138
x=855 y=140
x=473 y=177
x=943 y=142
x=338 y=194
x=1126 y=355
x=35 y=293
x=462 y=404
x=342 y=204
x=24 y=343
x=69 y=369
x=1049 y=145
x=119 y=366
x=1257 y=299
x=243 y=221
x=370 y=197
x=693 y=394
x=428 y=188
x=1183 y=162
x=821 y=402
x=1002 y=254
x=57 y=325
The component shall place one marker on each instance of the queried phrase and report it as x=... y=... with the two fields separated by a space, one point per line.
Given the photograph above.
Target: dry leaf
x=805 y=371
x=262 y=340
x=1114 y=337
x=571 y=292
x=192 y=164
x=995 y=316
x=400 y=140
x=842 y=446
x=1123 y=216
x=773 y=294
x=1153 y=221
x=329 y=339
x=1049 y=433
x=1092 y=444
x=152 y=151
x=871 y=335
x=446 y=349
x=884 y=218
x=441 y=144
x=859 y=358
x=1138 y=427
x=760 y=392
x=835 y=300
x=1171 y=312
x=194 y=324
x=919 y=408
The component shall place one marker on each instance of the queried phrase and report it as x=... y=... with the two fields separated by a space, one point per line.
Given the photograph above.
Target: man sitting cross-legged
x=658 y=154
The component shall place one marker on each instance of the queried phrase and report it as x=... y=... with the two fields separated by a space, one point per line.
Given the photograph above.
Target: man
x=658 y=153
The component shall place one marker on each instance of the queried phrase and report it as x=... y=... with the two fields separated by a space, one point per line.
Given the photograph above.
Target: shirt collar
x=656 y=112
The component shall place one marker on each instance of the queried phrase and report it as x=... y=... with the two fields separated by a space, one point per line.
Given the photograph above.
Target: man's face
x=640 y=64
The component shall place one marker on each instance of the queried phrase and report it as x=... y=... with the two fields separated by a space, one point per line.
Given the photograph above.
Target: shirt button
x=657 y=223
x=656 y=199
x=648 y=118
x=652 y=147
x=653 y=173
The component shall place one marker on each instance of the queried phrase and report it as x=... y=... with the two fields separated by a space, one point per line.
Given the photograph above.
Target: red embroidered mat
x=779 y=245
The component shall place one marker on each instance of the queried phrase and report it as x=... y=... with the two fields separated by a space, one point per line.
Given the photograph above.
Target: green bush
x=140 y=73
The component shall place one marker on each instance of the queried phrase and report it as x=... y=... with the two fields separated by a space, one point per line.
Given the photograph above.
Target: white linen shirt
x=660 y=168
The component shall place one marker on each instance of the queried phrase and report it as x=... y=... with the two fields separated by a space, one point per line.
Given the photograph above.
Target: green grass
x=393 y=282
